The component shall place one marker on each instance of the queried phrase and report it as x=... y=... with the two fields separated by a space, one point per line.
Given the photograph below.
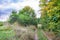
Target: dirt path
x=36 y=36
x=50 y=36
x=21 y=30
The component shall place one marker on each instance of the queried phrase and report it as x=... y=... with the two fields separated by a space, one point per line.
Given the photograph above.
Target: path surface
x=49 y=35
x=36 y=36
x=19 y=31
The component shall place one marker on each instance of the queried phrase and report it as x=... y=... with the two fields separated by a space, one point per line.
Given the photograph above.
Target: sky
x=6 y=6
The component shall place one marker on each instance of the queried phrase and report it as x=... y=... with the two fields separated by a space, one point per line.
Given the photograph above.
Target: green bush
x=50 y=18
x=26 y=16
x=1 y=23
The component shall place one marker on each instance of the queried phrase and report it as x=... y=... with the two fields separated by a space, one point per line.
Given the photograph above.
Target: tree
x=26 y=16
x=50 y=18
x=13 y=17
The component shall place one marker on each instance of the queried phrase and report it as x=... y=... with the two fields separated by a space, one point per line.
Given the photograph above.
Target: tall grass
x=6 y=33
x=41 y=36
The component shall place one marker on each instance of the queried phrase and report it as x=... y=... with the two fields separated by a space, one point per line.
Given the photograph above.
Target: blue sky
x=6 y=6
x=10 y=1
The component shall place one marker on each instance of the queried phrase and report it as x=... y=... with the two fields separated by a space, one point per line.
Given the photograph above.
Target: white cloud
x=4 y=17
x=32 y=3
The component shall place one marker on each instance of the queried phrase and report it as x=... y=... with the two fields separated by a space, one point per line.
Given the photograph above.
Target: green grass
x=6 y=33
x=41 y=35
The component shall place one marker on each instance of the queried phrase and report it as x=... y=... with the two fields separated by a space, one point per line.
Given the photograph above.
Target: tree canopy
x=50 y=18
x=26 y=16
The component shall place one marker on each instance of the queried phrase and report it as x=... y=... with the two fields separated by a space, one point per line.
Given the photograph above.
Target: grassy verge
x=6 y=33
x=41 y=35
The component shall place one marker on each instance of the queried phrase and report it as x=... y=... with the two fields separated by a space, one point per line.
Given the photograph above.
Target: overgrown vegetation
x=26 y=16
x=5 y=32
x=41 y=35
x=50 y=18
x=1 y=23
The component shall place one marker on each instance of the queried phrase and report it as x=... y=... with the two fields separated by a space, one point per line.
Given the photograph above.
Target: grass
x=5 y=33
x=41 y=35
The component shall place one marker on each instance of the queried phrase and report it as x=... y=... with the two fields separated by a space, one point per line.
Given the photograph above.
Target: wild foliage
x=26 y=16
x=50 y=18
x=1 y=23
x=6 y=32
